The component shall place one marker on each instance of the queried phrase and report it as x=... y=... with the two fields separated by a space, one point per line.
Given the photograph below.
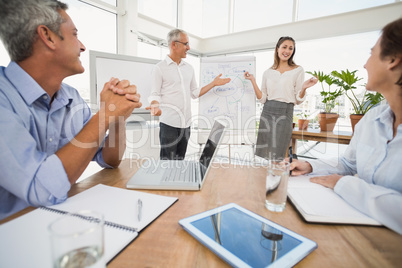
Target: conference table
x=165 y=244
x=339 y=137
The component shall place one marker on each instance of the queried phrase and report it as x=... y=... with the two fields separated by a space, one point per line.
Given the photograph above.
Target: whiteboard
x=233 y=103
x=137 y=70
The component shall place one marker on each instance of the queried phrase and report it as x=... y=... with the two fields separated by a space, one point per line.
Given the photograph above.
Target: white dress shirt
x=172 y=86
x=375 y=155
x=283 y=87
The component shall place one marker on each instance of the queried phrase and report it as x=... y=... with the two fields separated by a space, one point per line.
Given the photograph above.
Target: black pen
x=290 y=158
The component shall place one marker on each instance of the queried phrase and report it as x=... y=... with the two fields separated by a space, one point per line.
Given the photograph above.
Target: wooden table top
x=165 y=244
x=341 y=137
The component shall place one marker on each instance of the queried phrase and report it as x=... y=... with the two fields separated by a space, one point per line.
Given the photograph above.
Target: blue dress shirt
x=375 y=156
x=31 y=131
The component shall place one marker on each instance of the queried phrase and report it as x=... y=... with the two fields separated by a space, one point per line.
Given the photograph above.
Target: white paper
x=320 y=204
x=25 y=241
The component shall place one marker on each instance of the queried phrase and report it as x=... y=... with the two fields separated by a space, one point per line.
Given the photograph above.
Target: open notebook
x=25 y=240
x=317 y=203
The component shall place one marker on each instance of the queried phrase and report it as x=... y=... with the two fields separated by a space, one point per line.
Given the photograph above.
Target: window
x=206 y=18
x=215 y=17
x=192 y=17
x=252 y=14
x=145 y=50
x=327 y=54
x=161 y=10
x=4 y=58
x=336 y=53
x=97 y=31
x=309 y=9
x=110 y=2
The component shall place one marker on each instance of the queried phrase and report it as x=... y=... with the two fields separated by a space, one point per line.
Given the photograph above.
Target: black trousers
x=173 y=142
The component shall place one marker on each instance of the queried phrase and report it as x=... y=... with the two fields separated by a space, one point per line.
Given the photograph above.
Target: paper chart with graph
x=233 y=103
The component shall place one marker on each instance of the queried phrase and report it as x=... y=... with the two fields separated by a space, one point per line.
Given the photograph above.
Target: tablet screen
x=254 y=242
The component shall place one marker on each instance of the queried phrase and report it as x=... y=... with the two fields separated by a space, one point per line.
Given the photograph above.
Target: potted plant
x=347 y=81
x=303 y=121
x=327 y=119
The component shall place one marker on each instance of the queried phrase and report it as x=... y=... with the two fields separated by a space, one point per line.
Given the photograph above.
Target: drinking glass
x=276 y=186
x=77 y=240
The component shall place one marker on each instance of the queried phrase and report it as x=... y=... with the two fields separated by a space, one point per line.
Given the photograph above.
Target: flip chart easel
x=233 y=103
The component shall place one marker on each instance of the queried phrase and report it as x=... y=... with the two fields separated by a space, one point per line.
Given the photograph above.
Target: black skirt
x=275 y=130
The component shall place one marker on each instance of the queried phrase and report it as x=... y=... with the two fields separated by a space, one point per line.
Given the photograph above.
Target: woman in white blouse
x=282 y=87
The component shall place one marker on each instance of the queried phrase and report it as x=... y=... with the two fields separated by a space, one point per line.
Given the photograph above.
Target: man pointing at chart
x=172 y=87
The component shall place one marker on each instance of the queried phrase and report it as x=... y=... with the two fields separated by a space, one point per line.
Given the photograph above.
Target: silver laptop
x=179 y=174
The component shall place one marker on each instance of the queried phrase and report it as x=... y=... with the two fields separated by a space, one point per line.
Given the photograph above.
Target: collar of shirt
x=386 y=120
x=170 y=61
x=386 y=116
x=30 y=90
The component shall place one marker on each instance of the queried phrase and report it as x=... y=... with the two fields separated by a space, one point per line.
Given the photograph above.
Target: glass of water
x=77 y=240
x=276 y=185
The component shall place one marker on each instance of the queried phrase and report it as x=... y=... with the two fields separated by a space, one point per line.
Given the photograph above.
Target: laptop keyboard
x=182 y=171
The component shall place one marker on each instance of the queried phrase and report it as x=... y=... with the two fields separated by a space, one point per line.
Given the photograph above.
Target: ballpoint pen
x=139 y=209
x=290 y=157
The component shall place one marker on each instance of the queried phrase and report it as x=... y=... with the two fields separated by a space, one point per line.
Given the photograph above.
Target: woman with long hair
x=282 y=87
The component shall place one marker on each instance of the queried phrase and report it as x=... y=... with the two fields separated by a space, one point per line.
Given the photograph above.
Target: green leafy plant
x=347 y=80
x=303 y=115
x=329 y=96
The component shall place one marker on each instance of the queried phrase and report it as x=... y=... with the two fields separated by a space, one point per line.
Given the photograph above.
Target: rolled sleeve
x=195 y=90
x=380 y=203
x=154 y=98
x=326 y=166
x=263 y=98
x=99 y=159
x=264 y=89
x=300 y=100
x=298 y=87
x=46 y=176
x=156 y=85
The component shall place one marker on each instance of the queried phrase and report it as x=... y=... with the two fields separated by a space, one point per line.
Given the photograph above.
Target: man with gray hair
x=173 y=85
x=47 y=133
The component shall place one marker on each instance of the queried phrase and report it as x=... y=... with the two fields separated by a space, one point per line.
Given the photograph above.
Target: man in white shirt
x=173 y=84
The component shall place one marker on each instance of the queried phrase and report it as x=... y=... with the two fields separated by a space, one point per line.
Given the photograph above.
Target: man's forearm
x=115 y=144
x=77 y=154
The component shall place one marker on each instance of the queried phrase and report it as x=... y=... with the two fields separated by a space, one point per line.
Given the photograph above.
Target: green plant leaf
x=348 y=78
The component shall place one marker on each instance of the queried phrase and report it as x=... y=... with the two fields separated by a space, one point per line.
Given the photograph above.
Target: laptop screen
x=212 y=143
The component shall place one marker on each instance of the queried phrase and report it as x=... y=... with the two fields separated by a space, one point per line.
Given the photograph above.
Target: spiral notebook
x=317 y=203
x=25 y=240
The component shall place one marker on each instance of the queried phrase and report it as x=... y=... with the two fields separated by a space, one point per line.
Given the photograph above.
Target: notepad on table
x=25 y=240
x=317 y=203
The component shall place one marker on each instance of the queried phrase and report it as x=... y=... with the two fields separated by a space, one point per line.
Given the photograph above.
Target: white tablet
x=245 y=239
